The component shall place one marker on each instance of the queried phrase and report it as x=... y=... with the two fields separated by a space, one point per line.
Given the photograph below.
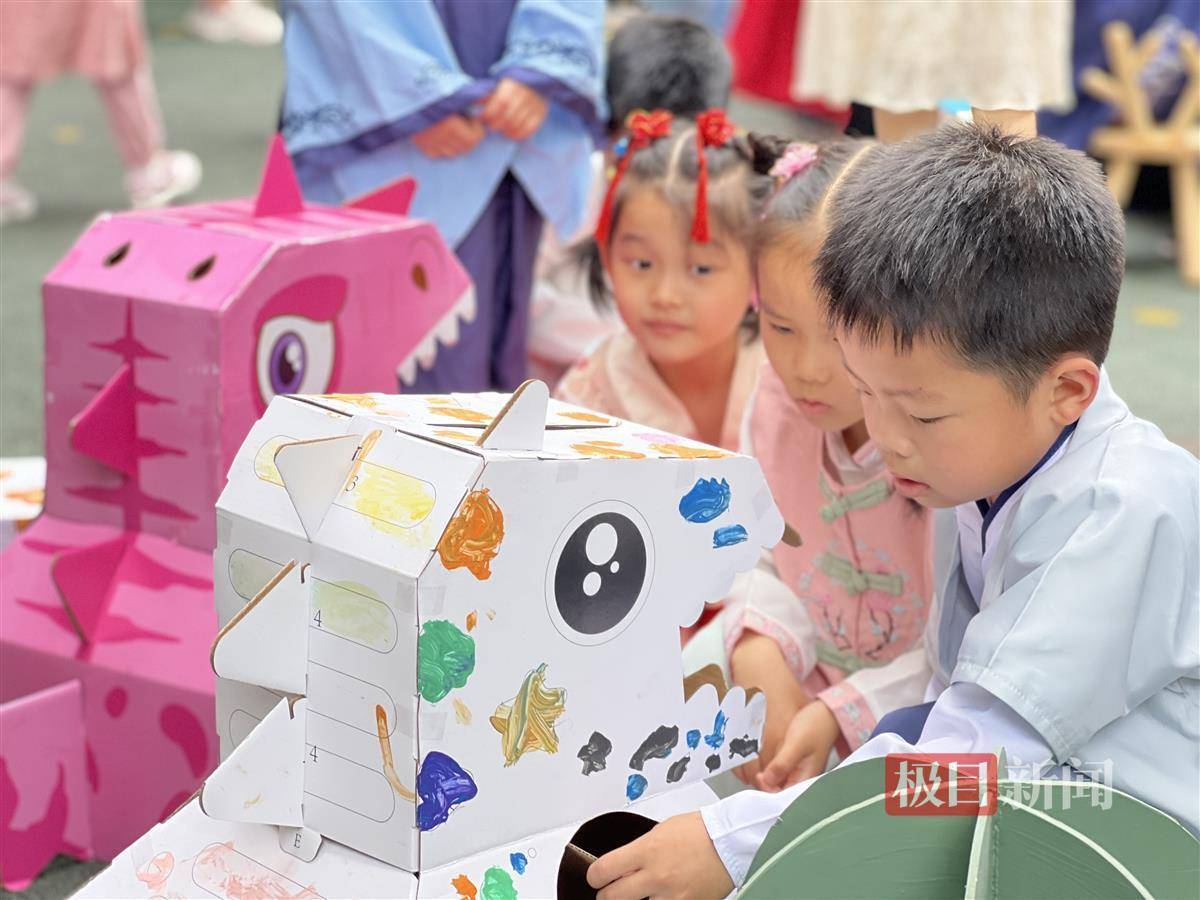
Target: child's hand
x=804 y=750
x=676 y=859
x=514 y=110
x=758 y=662
x=452 y=136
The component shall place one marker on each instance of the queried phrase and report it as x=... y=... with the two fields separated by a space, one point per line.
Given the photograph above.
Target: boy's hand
x=804 y=750
x=675 y=859
x=514 y=110
x=758 y=662
x=452 y=136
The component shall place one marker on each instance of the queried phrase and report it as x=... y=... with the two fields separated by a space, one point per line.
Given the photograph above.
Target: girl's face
x=680 y=299
x=801 y=348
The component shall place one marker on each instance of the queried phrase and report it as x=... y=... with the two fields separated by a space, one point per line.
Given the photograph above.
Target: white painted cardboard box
x=452 y=622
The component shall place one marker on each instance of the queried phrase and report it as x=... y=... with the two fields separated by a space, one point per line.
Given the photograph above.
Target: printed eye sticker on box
x=600 y=573
x=391 y=499
x=344 y=609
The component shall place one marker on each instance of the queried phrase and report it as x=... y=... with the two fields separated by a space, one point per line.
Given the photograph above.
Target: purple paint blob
x=441 y=784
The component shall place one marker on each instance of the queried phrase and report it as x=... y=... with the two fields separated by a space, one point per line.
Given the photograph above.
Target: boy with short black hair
x=972 y=281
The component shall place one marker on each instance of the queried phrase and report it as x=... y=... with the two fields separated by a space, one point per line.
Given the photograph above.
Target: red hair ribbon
x=644 y=129
x=712 y=130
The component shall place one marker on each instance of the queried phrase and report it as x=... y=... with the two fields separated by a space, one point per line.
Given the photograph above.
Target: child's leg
x=1021 y=122
x=133 y=117
x=514 y=286
x=14 y=104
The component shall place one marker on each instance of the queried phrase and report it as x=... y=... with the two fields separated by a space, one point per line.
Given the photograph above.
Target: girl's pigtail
x=712 y=130
x=764 y=151
x=644 y=129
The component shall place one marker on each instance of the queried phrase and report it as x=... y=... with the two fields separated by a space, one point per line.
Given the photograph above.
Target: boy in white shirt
x=972 y=280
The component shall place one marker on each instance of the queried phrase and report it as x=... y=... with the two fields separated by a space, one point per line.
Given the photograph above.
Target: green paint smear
x=445 y=659
x=497 y=885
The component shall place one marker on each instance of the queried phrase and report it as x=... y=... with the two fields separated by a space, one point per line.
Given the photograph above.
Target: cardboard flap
x=262 y=780
x=394 y=198
x=522 y=422
x=313 y=472
x=104 y=429
x=266 y=643
x=279 y=191
x=82 y=576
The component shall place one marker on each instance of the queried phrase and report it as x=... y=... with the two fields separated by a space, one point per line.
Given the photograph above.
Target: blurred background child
x=104 y=41
x=490 y=104
x=678 y=269
x=813 y=624
x=654 y=62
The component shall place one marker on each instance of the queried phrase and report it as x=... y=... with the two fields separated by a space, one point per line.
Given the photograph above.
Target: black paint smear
x=678 y=768
x=595 y=753
x=713 y=762
x=658 y=746
x=743 y=746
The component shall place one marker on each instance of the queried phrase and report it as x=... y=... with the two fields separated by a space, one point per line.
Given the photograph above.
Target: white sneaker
x=171 y=174
x=244 y=21
x=17 y=204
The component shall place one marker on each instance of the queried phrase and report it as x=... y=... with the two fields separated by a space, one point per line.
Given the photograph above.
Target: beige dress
x=909 y=55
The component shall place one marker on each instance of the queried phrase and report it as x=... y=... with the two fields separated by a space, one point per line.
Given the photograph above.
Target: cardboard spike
x=262 y=780
x=266 y=643
x=521 y=423
x=313 y=472
x=104 y=429
x=394 y=198
x=279 y=191
x=83 y=577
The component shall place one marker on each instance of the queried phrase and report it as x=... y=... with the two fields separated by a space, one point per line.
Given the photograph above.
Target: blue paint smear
x=636 y=786
x=729 y=535
x=706 y=500
x=717 y=738
x=518 y=861
x=693 y=738
x=441 y=784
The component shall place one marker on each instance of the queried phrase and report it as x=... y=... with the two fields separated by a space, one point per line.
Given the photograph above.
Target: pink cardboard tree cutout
x=167 y=333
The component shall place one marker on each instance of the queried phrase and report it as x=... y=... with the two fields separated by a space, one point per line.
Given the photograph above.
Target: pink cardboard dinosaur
x=167 y=333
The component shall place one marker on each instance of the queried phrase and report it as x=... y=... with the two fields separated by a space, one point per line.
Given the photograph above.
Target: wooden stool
x=1140 y=139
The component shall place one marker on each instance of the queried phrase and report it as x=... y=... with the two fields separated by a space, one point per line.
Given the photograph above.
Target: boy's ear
x=1073 y=382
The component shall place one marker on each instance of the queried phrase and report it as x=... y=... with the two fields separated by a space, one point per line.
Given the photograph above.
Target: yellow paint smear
x=461 y=712
x=606 y=450
x=391 y=499
x=455 y=435
x=527 y=721
x=264 y=459
x=385 y=749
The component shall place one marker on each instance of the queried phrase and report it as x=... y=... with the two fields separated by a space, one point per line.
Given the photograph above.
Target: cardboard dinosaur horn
x=279 y=191
x=394 y=198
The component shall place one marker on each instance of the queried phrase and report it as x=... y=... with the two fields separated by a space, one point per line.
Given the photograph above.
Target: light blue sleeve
x=560 y=39
x=354 y=67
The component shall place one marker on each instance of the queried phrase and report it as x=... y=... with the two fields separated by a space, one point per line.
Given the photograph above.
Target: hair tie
x=644 y=129
x=795 y=159
x=712 y=130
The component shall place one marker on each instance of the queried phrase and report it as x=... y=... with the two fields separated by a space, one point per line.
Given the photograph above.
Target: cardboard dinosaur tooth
x=490 y=590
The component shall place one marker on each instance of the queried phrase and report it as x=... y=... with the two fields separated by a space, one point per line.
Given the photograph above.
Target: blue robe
x=364 y=77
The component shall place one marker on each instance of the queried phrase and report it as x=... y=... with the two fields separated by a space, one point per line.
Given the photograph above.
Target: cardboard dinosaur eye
x=600 y=573
x=294 y=356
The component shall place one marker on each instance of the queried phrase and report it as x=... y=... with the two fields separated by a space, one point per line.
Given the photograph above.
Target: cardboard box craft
x=425 y=639
x=167 y=333
x=22 y=490
x=194 y=855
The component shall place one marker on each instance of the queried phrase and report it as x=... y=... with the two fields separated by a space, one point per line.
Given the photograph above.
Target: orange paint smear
x=155 y=873
x=586 y=417
x=683 y=451
x=606 y=450
x=36 y=496
x=456 y=435
x=472 y=539
x=465 y=887
x=385 y=749
x=472 y=621
x=461 y=413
